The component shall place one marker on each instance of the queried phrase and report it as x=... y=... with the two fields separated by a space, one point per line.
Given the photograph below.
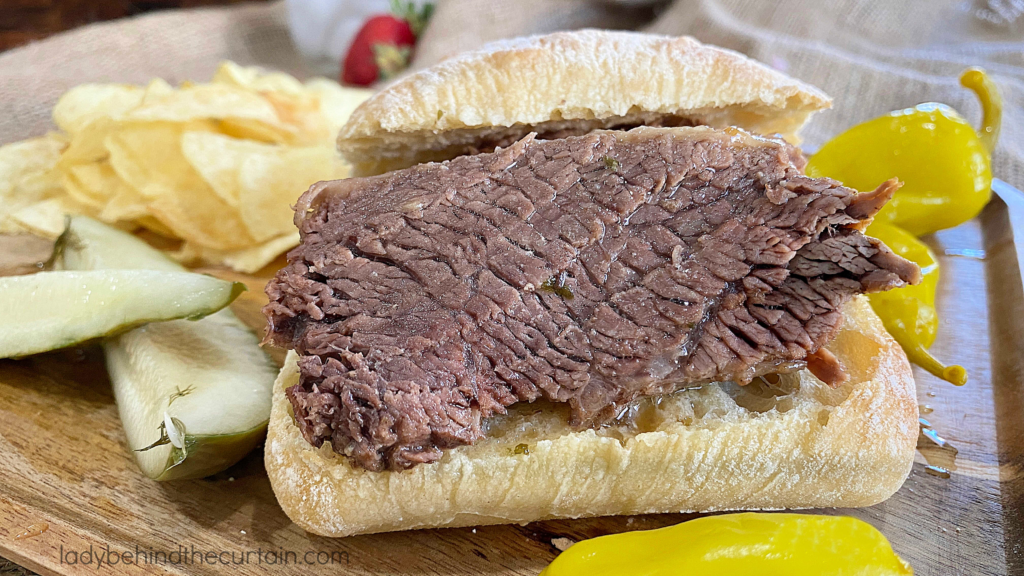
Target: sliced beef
x=826 y=367
x=589 y=270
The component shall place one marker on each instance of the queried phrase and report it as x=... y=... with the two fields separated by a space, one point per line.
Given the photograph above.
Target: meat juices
x=591 y=270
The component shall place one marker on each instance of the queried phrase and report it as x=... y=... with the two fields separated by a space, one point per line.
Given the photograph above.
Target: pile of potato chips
x=216 y=165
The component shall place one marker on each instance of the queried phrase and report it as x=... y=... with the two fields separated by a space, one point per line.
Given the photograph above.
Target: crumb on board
x=562 y=543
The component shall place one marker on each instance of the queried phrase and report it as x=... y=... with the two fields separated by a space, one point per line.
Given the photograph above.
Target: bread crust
x=696 y=450
x=552 y=82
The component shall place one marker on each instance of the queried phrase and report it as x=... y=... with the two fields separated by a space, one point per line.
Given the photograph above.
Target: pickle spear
x=194 y=397
x=52 y=310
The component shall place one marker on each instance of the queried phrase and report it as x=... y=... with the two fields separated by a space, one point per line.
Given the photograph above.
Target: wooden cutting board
x=64 y=462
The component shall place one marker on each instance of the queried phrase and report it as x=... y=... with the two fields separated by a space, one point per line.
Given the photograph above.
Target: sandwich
x=584 y=274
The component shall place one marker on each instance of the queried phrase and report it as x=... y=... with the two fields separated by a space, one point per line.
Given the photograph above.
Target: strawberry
x=383 y=46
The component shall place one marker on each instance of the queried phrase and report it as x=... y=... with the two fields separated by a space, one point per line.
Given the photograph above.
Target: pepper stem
x=976 y=80
x=919 y=355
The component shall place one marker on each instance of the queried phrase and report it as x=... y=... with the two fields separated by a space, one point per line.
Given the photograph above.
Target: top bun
x=569 y=83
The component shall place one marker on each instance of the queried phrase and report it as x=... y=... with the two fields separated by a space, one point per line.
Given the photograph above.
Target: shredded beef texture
x=591 y=270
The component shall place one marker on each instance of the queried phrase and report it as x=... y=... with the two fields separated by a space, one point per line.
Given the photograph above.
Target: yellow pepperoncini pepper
x=908 y=313
x=944 y=164
x=946 y=168
x=747 y=544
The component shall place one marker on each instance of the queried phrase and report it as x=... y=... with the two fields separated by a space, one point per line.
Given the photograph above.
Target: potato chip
x=200 y=216
x=246 y=260
x=147 y=156
x=9 y=225
x=153 y=225
x=204 y=102
x=97 y=184
x=27 y=159
x=215 y=165
x=45 y=218
x=125 y=205
x=246 y=129
x=219 y=158
x=257 y=79
x=303 y=114
x=261 y=180
x=270 y=183
x=85 y=104
x=157 y=89
x=80 y=194
x=337 y=102
x=39 y=185
x=294 y=104
x=86 y=145
x=27 y=177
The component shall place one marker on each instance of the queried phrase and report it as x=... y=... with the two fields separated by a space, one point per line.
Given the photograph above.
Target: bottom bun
x=794 y=444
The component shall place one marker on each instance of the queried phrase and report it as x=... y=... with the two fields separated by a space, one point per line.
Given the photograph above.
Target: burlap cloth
x=872 y=56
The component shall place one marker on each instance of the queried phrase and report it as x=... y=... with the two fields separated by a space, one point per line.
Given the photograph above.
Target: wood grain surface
x=65 y=462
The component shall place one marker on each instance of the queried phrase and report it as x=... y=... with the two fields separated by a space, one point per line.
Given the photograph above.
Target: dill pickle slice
x=194 y=397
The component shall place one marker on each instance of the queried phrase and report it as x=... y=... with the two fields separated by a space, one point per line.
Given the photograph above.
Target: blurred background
x=22 y=21
x=872 y=56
